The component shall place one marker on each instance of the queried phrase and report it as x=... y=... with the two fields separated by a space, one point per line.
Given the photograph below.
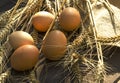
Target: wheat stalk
x=100 y=65
x=18 y=18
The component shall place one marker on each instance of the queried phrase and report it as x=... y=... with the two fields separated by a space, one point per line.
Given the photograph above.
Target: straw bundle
x=84 y=59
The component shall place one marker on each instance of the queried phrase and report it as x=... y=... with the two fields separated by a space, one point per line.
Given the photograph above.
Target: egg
x=19 y=38
x=42 y=20
x=69 y=19
x=54 y=45
x=24 y=57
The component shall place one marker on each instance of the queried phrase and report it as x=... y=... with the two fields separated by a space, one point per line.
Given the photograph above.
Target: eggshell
x=54 y=46
x=69 y=19
x=19 y=38
x=24 y=57
x=42 y=20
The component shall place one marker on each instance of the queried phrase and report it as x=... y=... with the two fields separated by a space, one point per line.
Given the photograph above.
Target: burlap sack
x=107 y=23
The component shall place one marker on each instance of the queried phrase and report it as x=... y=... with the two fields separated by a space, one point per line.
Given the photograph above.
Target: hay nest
x=84 y=61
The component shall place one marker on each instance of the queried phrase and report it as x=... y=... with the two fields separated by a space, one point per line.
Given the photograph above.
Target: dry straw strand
x=16 y=20
x=12 y=24
x=100 y=66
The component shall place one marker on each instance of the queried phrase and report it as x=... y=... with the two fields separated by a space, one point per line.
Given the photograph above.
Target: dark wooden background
x=6 y=4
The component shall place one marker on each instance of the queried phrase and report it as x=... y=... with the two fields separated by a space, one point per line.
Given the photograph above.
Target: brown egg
x=42 y=20
x=24 y=57
x=69 y=19
x=54 y=46
x=19 y=38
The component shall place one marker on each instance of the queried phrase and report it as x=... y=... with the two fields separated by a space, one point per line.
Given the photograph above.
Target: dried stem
x=100 y=66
